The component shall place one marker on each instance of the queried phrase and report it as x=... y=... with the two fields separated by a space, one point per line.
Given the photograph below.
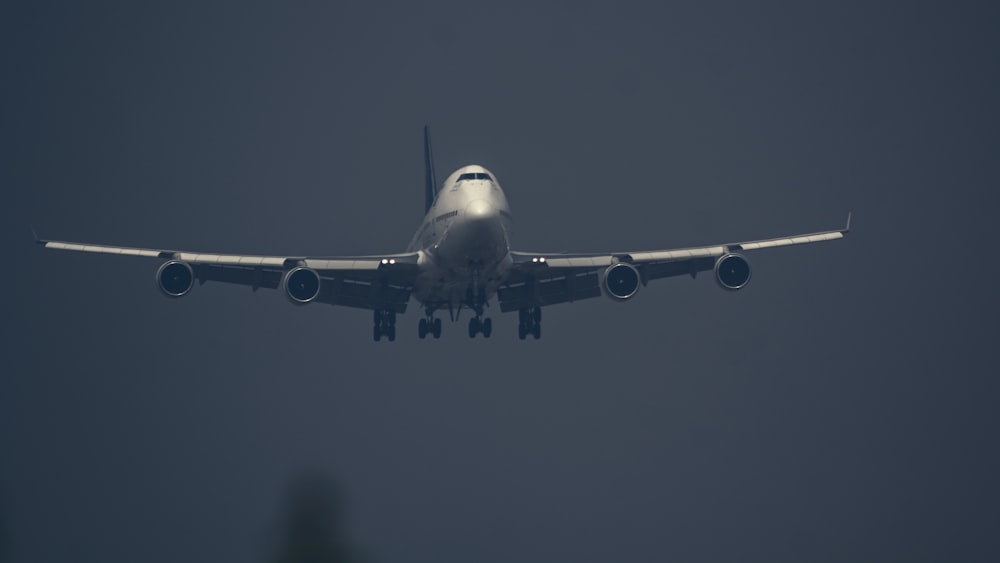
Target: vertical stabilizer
x=430 y=178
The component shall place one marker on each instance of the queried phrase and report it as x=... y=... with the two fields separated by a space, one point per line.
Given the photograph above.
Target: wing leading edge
x=368 y=282
x=541 y=279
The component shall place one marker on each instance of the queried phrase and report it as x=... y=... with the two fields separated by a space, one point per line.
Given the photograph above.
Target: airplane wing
x=539 y=279
x=366 y=282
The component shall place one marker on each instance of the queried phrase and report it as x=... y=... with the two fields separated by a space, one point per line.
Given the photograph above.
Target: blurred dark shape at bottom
x=312 y=523
x=4 y=546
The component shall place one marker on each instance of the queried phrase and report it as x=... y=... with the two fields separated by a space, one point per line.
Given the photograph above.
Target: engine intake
x=621 y=281
x=732 y=271
x=175 y=278
x=301 y=285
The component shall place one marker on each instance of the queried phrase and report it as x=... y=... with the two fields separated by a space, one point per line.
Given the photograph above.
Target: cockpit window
x=475 y=176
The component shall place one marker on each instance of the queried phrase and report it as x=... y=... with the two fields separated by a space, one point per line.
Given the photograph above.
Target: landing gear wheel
x=487 y=327
x=473 y=327
x=422 y=329
x=536 y=331
x=437 y=329
x=522 y=331
x=377 y=333
x=392 y=333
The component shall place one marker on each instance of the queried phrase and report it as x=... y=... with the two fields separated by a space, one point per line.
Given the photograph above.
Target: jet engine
x=621 y=281
x=301 y=285
x=175 y=278
x=732 y=271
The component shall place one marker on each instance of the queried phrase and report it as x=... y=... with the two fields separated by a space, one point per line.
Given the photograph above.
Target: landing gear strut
x=475 y=297
x=529 y=321
x=385 y=325
x=429 y=325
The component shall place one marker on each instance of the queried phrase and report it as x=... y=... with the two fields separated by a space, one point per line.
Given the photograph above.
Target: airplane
x=459 y=258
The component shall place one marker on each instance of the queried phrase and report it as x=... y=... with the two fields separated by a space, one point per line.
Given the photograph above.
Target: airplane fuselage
x=464 y=242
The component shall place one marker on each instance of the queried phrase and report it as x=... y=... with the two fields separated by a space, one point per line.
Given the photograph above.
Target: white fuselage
x=463 y=241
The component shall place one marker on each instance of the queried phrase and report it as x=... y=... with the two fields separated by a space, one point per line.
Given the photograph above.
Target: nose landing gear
x=475 y=298
x=429 y=325
x=479 y=325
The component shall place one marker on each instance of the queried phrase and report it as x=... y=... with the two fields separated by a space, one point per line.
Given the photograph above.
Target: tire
x=392 y=333
x=422 y=328
x=376 y=333
x=473 y=327
x=522 y=331
x=487 y=327
x=537 y=331
x=437 y=328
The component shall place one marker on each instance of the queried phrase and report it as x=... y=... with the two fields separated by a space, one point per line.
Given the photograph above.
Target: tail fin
x=430 y=179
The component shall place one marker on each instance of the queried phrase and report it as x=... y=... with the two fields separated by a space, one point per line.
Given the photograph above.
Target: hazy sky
x=841 y=408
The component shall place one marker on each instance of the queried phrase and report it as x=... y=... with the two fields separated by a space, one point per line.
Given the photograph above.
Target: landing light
x=538 y=259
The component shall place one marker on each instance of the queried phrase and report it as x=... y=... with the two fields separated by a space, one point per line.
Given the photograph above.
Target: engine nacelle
x=621 y=281
x=301 y=285
x=175 y=278
x=732 y=271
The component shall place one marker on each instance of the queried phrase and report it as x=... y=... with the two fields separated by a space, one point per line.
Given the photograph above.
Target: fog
x=841 y=407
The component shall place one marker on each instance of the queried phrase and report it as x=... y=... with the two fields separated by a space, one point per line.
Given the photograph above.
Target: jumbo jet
x=459 y=258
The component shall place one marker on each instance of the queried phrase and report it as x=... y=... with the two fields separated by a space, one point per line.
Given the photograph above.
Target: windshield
x=475 y=176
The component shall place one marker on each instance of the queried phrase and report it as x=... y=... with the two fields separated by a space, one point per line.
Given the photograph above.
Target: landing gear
x=479 y=325
x=431 y=326
x=385 y=325
x=475 y=298
x=529 y=321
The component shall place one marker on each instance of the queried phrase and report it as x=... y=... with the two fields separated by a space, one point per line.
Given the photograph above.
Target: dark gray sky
x=843 y=407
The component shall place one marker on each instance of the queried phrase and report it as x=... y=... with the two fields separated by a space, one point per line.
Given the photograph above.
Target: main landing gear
x=529 y=321
x=385 y=325
x=429 y=325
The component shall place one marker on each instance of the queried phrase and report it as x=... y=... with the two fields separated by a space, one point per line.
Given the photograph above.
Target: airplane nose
x=479 y=210
x=476 y=237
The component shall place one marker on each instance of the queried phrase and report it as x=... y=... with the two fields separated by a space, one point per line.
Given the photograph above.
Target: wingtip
x=847 y=227
x=34 y=235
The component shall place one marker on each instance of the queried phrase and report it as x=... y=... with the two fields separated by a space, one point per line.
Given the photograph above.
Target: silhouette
x=4 y=546
x=312 y=523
